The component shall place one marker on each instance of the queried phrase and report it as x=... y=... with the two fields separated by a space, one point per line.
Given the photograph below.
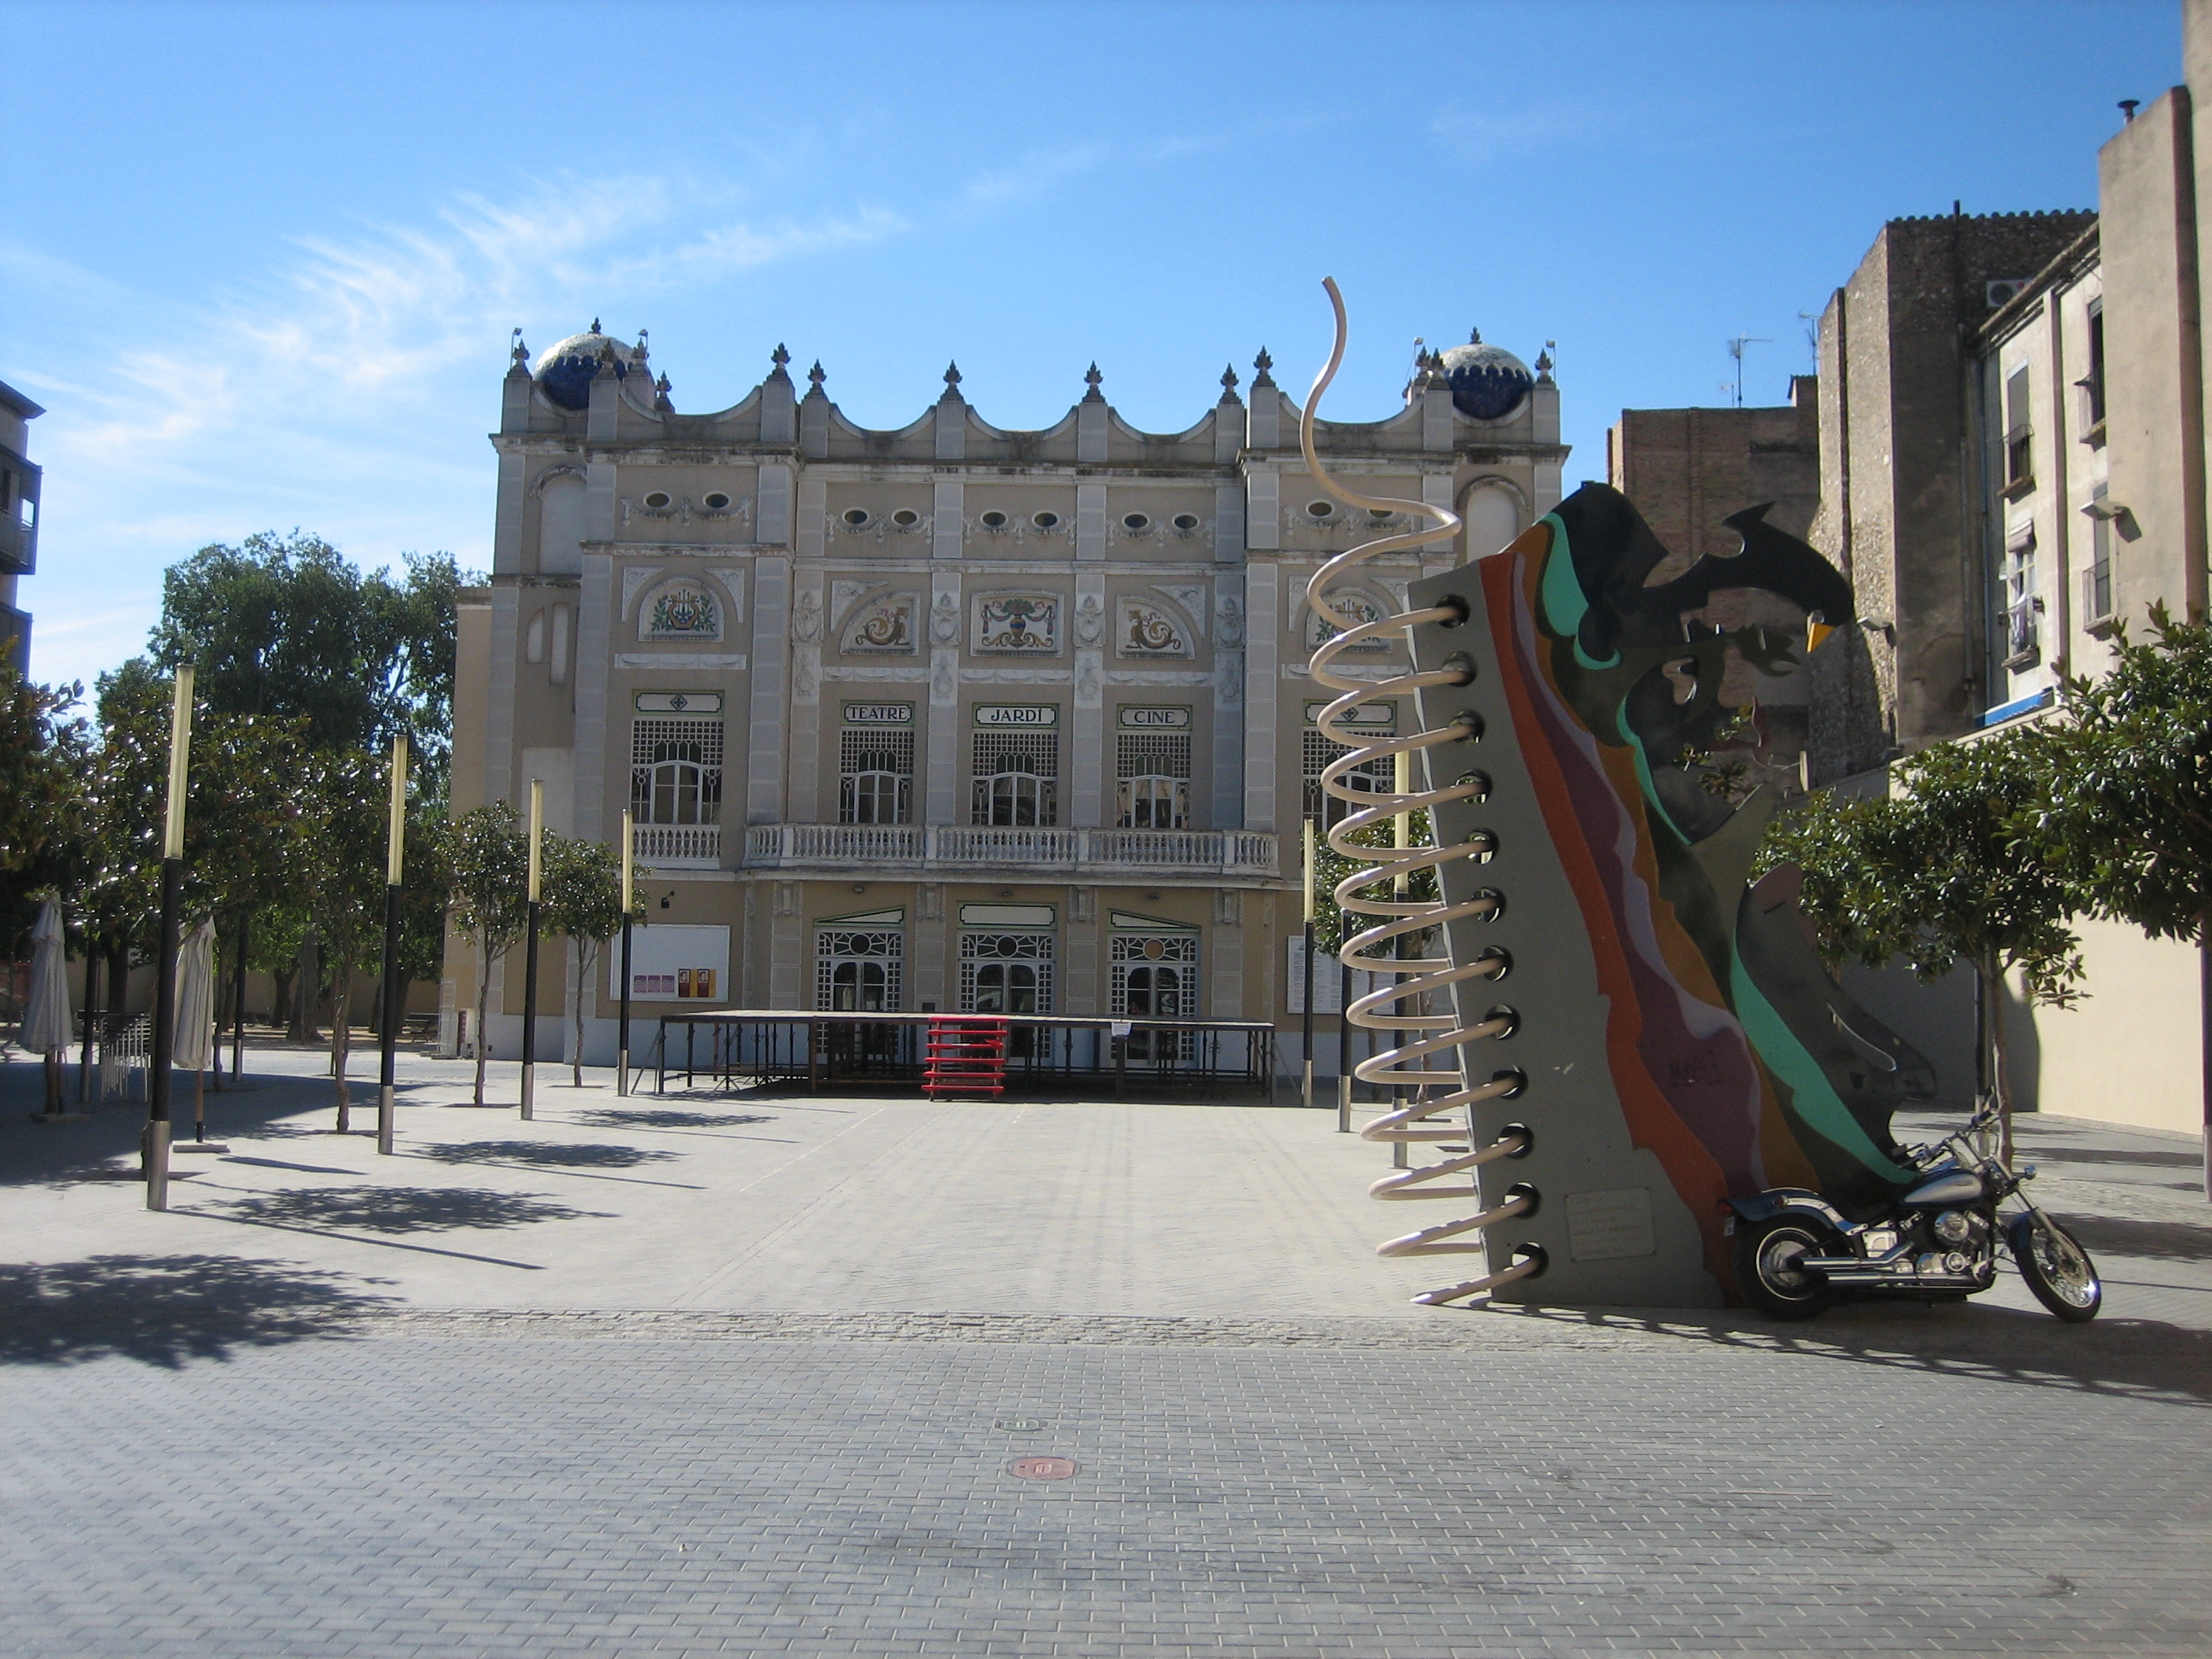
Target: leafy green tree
x=343 y=838
x=43 y=750
x=1949 y=870
x=488 y=856
x=583 y=887
x=2130 y=821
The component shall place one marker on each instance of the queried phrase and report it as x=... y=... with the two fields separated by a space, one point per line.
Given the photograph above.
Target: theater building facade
x=947 y=717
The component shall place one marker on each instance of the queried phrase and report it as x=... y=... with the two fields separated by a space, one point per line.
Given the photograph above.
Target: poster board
x=687 y=962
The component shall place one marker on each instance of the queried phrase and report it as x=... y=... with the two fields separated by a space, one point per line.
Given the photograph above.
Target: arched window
x=676 y=771
x=1016 y=779
x=857 y=972
x=875 y=776
x=1156 y=977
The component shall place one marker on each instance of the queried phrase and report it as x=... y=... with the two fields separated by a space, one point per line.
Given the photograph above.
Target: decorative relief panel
x=1144 y=628
x=1355 y=608
x=883 y=626
x=1017 y=625
x=680 y=609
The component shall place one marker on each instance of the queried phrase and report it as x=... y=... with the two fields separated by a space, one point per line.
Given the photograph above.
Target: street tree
x=1948 y=871
x=489 y=857
x=582 y=890
x=2129 y=820
x=43 y=750
x=343 y=833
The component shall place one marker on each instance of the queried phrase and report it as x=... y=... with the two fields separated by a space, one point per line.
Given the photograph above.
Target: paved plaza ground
x=759 y=1374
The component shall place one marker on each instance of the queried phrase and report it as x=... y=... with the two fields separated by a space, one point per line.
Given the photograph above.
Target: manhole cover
x=1021 y=1425
x=1043 y=1469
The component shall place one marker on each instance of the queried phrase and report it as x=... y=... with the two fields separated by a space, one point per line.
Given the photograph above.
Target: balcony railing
x=949 y=847
x=680 y=846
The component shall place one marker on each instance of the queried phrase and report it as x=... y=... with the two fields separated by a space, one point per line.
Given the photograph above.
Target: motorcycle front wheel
x=2056 y=1268
x=1766 y=1257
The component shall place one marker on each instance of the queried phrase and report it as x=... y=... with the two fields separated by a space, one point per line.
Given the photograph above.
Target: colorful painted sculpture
x=1659 y=1034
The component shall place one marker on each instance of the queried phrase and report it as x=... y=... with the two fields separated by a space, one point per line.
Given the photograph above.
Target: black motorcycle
x=1796 y=1254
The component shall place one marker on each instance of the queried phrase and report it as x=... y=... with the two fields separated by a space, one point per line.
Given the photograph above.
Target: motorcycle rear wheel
x=1766 y=1253
x=2056 y=1268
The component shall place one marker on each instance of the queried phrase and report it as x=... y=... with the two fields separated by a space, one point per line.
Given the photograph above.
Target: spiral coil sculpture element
x=1425 y=1066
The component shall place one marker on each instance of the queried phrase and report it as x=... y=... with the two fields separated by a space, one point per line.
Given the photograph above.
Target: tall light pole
x=395 y=856
x=529 y=950
x=1305 y=1024
x=622 y=1039
x=155 y=1155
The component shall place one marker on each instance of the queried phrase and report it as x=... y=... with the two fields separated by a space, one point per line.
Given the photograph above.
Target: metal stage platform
x=733 y=1047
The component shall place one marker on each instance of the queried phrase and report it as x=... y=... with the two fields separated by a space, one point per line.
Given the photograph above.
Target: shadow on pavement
x=2124 y=1235
x=647 y=1118
x=539 y=1153
x=395 y=1210
x=168 y=1310
x=2111 y=1356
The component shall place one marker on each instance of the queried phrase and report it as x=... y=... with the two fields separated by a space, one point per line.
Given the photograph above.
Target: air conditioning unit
x=2004 y=290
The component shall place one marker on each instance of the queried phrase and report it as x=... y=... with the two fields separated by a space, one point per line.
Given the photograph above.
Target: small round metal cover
x=1041 y=1468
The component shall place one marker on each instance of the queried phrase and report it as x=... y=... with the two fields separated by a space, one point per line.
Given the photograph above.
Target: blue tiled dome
x=1487 y=382
x=566 y=370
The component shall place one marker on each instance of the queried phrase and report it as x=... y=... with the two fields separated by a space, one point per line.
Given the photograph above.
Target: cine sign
x=1017 y=714
x=1156 y=719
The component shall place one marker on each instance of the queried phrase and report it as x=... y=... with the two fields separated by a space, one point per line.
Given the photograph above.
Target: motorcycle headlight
x=1953 y=1227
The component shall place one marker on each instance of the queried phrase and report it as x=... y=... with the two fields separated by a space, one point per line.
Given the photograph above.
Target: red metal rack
x=966 y=1056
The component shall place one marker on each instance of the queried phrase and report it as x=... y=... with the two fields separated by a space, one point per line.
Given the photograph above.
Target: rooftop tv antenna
x=1735 y=350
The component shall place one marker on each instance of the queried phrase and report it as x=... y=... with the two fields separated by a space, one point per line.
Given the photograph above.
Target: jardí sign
x=1017 y=714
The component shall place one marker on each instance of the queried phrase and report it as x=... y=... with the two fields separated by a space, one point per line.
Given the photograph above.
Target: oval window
x=906 y=518
x=995 y=520
x=1321 y=509
x=1135 y=521
x=1045 y=520
x=1380 y=513
x=658 y=499
x=1186 y=521
x=856 y=516
x=718 y=503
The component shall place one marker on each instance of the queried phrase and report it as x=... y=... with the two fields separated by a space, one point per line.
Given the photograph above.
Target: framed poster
x=690 y=963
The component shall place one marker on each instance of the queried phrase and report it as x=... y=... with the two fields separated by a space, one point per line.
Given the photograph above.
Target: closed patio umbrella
x=194 y=1048
x=46 y=1024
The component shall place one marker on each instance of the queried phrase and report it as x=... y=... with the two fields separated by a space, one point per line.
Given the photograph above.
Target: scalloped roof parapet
x=646 y=418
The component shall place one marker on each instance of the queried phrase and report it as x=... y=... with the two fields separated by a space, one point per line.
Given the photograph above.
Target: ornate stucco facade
x=912 y=717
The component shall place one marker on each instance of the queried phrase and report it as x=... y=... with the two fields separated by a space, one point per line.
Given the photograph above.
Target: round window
x=1154 y=949
x=658 y=499
x=995 y=520
x=1321 y=509
x=856 y=516
x=906 y=518
x=1380 y=513
x=1186 y=521
x=1135 y=521
x=718 y=503
x=1045 y=520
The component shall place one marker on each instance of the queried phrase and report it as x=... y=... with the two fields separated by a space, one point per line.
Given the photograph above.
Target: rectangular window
x=1155 y=977
x=2022 y=606
x=2097 y=579
x=676 y=771
x=1005 y=973
x=859 y=971
x=1014 y=778
x=1374 y=777
x=1152 y=771
x=2093 y=383
x=875 y=776
x=2019 y=460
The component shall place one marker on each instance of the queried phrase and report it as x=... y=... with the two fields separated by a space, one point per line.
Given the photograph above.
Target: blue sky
x=260 y=261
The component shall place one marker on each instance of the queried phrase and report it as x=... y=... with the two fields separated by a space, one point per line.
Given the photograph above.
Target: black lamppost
x=530 y=952
x=394 y=860
x=155 y=1153
x=1305 y=1001
x=622 y=1039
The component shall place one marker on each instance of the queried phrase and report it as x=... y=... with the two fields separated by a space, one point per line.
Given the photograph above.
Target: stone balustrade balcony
x=1098 y=854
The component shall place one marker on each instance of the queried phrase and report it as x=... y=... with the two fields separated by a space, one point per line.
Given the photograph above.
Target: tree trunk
x=2204 y=1034
x=280 y=1009
x=307 y=992
x=586 y=950
x=341 y=1034
x=1992 y=978
x=483 y=1001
